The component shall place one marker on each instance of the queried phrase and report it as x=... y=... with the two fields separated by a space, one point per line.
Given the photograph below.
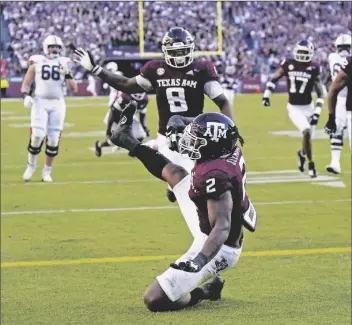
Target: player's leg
x=336 y=139
x=99 y=144
x=56 y=118
x=175 y=289
x=39 y=119
x=299 y=117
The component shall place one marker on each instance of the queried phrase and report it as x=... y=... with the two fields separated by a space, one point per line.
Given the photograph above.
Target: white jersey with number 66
x=49 y=76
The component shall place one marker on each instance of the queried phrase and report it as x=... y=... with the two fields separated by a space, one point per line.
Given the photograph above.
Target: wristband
x=97 y=69
x=24 y=95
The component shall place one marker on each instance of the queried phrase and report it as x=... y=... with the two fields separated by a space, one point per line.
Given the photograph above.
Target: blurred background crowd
x=256 y=35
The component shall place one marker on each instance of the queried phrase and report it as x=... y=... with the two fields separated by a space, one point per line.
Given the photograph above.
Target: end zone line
x=124 y=259
x=165 y=207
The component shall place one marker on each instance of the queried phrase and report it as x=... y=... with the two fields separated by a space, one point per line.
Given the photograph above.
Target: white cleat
x=28 y=173
x=335 y=169
x=46 y=177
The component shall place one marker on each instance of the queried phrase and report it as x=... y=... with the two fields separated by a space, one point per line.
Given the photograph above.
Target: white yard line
x=271 y=177
x=166 y=207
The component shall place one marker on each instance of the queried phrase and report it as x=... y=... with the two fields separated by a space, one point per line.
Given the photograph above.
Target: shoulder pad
x=36 y=58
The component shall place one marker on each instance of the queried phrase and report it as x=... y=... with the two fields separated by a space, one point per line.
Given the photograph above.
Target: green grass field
x=83 y=250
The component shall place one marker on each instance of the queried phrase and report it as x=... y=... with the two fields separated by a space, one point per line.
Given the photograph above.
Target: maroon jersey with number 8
x=178 y=90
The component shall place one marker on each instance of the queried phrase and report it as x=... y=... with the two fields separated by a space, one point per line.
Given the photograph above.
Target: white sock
x=47 y=168
x=32 y=160
x=335 y=157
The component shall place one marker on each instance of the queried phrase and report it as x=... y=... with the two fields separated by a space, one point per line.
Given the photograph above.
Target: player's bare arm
x=224 y=105
x=319 y=103
x=219 y=212
x=126 y=85
x=28 y=79
x=337 y=85
x=270 y=86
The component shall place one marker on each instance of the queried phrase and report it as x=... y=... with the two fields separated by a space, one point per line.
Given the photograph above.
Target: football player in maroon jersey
x=180 y=83
x=343 y=79
x=302 y=76
x=217 y=188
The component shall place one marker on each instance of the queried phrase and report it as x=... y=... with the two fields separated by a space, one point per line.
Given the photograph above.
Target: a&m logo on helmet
x=215 y=130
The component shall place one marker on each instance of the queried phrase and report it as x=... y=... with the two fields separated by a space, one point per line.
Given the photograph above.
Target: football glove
x=191 y=266
x=85 y=59
x=173 y=136
x=314 y=119
x=266 y=101
x=330 y=126
x=27 y=100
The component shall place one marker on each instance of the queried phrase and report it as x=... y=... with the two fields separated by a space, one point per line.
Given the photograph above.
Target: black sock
x=197 y=296
x=153 y=160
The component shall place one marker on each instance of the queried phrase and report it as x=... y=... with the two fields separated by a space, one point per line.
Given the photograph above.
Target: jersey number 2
x=53 y=73
x=210 y=185
x=177 y=99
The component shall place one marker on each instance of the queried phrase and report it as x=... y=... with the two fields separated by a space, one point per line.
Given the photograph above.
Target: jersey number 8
x=177 y=99
x=53 y=74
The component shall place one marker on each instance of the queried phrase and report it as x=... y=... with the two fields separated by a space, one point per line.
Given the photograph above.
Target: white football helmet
x=52 y=46
x=112 y=66
x=343 y=45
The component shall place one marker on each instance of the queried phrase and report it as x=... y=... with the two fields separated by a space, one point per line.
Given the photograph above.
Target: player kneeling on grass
x=139 y=127
x=217 y=187
x=48 y=108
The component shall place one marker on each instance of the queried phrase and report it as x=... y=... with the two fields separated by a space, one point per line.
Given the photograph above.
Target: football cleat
x=212 y=290
x=46 y=177
x=335 y=169
x=121 y=134
x=28 y=173
x=97 y=149
x=301 y=161
x=171 y=196
x=311 y=170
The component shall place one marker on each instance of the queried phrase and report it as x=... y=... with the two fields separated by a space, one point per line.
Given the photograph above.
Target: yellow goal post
x=196 y=53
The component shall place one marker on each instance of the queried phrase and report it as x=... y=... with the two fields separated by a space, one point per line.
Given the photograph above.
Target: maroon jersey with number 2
x=178 y=90
x=212 y=178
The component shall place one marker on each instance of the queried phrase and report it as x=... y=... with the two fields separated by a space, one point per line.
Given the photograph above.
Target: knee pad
x=35 y=144
x=52 y=146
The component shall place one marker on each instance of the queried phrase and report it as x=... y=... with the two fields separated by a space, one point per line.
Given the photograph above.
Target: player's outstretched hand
x=84 y=58
x=330 y=126
x=188 y=266
x=266 y=101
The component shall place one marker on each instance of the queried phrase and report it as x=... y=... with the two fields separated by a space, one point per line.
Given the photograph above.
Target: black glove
x=330 y=127
x=266 y=101
x=173 y=135
x=191 y=266
x=313 y=120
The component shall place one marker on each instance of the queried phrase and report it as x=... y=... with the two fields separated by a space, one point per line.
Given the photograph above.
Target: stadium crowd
x=256 y=35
